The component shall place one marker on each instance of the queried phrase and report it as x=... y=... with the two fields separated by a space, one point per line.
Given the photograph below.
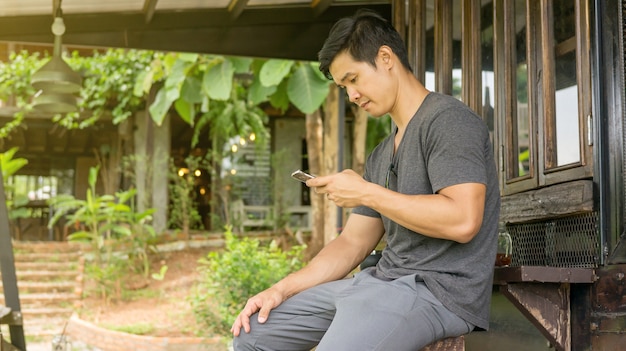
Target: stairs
x=49 y=281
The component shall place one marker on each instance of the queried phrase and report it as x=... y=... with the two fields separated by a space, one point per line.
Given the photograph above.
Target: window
x=524 y=66
x=547 y=104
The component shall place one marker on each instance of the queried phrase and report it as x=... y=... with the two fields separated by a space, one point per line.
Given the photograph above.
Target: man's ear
x=385 y=55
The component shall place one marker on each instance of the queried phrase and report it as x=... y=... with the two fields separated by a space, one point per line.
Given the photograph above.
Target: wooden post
x=9 y=278
x=331 y=133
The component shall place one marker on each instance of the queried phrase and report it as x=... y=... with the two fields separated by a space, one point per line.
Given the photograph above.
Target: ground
x=161 y=308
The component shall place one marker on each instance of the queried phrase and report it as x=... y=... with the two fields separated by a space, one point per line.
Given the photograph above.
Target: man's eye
x=353 y=80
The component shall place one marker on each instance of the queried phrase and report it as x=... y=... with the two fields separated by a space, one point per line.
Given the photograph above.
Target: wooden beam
x=319 y=6
x=236 y=7
x=148 y=9
x=550 y=202
x=547 y=307
x=289 y=33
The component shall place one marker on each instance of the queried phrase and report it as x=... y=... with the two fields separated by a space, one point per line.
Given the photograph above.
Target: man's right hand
x=263 y=303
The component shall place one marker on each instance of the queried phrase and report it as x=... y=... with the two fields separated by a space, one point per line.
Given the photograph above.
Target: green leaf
x=93 y=176
x=192 y=90
x=143 y=83
x=188 y=57
x=258 y=93
x=280 y=99
x=186 y=110
x=218 y=80
x=305 y=90
x=161 y=104
x=241 y=64
x=273 y=71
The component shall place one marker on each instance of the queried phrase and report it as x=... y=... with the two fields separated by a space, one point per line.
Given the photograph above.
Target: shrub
x=229 y=278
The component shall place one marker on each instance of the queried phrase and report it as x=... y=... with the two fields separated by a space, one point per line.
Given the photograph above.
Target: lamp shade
x=55 y=102
x=56 y=76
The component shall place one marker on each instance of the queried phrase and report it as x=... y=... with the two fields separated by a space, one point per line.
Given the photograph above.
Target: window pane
x=521 y=122
x=429 y=79
x=457 y=64
x=487 y=75
x=566 y=86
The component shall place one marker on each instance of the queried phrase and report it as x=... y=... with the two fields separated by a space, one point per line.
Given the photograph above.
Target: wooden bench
x=448 y=344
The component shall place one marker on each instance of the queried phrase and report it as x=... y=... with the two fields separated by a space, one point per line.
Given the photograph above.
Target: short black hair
x=361 y=35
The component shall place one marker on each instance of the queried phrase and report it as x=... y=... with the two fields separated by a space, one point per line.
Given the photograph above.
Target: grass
x=137 y=329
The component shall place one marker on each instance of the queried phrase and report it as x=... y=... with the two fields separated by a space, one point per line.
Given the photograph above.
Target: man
x=431 y=186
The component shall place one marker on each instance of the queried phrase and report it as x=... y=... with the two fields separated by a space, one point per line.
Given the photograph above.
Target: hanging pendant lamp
x=55 y=81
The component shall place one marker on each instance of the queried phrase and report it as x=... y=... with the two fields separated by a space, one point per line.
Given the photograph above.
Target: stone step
x=47 y=247
x=29 y=287
x=47 y=257
x=47 y=266
x=39 y=300
x=46 y=275
x=48 y=326
x=45 y=312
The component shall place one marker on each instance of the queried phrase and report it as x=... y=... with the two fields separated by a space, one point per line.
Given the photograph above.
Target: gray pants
x=362 y=313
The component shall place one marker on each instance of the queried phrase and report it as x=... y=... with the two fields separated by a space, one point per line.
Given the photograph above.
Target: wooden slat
x=149 y=6
x=471 y=55
x=319 y=6
x=236 y=7
x=448 y=344
x=555 y=201
x=542 y=274
x=443 y=46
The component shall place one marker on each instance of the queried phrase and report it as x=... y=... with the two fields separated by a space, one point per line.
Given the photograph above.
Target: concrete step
x=46 y=275
x=30 y=287
x=47 y=257
x=47 y=247
x=45 y=312
x=32 y=301
x=47 y=266
x=48 y=326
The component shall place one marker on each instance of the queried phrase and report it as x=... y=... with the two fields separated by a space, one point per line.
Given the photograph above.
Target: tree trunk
x=331 y=146
x=314 y=130
x=359 y=136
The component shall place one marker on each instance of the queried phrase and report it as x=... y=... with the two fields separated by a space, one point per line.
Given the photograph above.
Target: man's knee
x=243 y=342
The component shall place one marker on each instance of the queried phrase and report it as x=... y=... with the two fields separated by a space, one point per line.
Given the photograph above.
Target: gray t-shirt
x=444 y=144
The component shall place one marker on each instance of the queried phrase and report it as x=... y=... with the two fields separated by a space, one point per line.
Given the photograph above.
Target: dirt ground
x=155 y=308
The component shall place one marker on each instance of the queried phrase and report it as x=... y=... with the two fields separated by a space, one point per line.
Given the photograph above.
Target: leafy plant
x=111 y=226
x=183 y=210
x=10 y=165
x=229 y=278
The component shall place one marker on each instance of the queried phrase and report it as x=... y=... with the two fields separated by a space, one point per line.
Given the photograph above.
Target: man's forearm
x=333 y=262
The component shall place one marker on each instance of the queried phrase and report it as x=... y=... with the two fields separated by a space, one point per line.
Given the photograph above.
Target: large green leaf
x=306 y=90
x=170 y=92
x=186 y=110
x=274 y=71
x=241 y=64
x=258 y=93
x=218 y=80
x=280 y=99
x=192 y=90
x=162 y=103
x=11 y=165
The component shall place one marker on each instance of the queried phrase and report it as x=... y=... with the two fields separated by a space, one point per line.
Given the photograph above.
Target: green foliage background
x=229 y=278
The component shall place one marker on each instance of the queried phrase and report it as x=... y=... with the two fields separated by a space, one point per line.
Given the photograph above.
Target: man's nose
x=353 y=95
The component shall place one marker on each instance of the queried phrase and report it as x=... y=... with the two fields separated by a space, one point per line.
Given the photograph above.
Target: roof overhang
x=287 y=29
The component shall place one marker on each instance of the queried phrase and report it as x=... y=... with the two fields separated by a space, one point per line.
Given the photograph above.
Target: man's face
x=366 y=86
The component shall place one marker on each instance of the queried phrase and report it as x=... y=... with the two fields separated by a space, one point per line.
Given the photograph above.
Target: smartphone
x=301 y=176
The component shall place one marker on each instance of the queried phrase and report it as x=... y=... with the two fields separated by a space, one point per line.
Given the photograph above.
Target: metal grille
x=563 y=242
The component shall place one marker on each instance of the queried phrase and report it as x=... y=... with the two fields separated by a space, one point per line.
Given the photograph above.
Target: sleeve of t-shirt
x=455 y=148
